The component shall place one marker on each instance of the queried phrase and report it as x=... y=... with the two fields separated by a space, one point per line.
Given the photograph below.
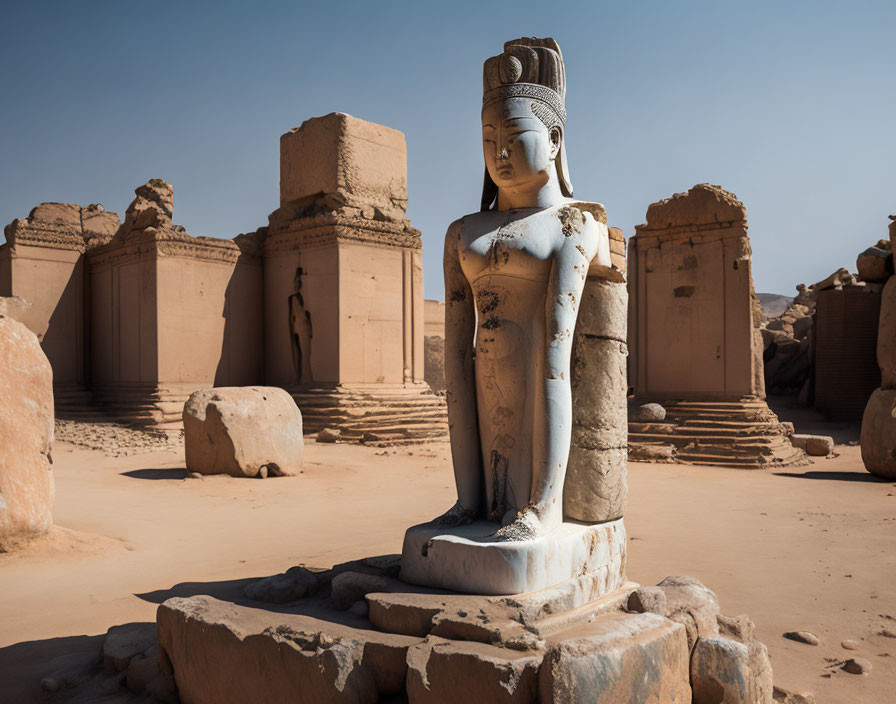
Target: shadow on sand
x=836 y=476
x=161 y=473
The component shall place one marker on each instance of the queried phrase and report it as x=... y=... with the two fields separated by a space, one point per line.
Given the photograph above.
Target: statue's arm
x=460 y=382
x=554 y=430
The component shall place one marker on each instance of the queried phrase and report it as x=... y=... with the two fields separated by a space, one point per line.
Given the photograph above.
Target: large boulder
x=244 y=431
x=26 y=429
x=879 y=434
x=875 y=264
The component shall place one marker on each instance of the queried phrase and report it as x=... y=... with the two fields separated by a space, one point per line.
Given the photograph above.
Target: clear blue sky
x=791 y=105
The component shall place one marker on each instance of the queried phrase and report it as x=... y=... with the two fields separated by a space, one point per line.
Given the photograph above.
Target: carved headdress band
x=528 y=68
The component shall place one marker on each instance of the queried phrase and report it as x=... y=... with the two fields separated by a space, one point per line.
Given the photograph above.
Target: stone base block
x=221 y=652
x=465 y=559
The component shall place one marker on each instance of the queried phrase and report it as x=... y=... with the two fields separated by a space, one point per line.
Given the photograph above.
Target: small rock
x=49 y=685
x=329 y=435
x=648 y=600
x=296 y=583
x=787 y=697
x=857 y=666
x=195 y=475
x=815 y=445
x=802 y=637
x=124 y=642
x=349 y=587
x=650 y=411
x=849 y=645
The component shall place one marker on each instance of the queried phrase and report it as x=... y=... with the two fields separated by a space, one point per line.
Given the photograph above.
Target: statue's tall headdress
x=529 y=68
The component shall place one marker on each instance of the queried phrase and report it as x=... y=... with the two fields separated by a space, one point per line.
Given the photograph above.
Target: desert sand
x=807 y=548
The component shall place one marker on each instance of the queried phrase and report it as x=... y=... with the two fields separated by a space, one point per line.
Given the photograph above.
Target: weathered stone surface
x=294 y=584
x=349 y=587
x=453 y=671
x=815 y=445
x=348 y=163
x=26 y=428
x=648 y=600
x=122 y=643
x=886 y=336
x=619 y=658
x=153 y=207
x=690 y=603
x=649 y=412
x=720 y=672
x=221 y=653
x=702 y=204
x=245 y=431
x=142 y=670
x=434 y=362
x=14 y=307
x=875 y=264
x=878 y=437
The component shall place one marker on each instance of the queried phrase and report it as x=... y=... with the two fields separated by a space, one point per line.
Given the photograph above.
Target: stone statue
x=514 y=276
x=300 y=332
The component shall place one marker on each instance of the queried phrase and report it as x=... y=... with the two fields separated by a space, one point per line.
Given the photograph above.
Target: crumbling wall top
x=704 y=204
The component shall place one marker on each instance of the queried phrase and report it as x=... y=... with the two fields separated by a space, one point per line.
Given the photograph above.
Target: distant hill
x=773 y=304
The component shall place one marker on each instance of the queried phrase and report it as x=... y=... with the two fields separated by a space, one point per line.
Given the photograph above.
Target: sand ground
x=811 y=548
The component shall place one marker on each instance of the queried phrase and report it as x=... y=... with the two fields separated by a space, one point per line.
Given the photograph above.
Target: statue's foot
x=457 y=515
x=526 y=526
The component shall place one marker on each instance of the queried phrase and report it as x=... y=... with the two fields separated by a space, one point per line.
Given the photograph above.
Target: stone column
x=595 y=488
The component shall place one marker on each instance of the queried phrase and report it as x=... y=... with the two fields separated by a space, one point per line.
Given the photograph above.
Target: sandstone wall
x=846 y=368
x=694 y=317
x=42 y=261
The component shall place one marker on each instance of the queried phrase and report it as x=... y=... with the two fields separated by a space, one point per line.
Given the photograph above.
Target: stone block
x=878 y=437
x=702 y=204
x=455 y=671
x=249 y=431
x=720 y=672
x=221 y=653
x=123 y=643
x=26 y=428
x=464 y=559
x=362 y=163
x=620 y=658
x=349 y=587
x=67 y=215
x=815 y=445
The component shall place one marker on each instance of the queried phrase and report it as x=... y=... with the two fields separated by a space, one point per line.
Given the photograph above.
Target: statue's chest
x=521 y=248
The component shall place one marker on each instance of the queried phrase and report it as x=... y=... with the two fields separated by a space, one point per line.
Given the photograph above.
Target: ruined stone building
x=325 y=301
x=694 y=334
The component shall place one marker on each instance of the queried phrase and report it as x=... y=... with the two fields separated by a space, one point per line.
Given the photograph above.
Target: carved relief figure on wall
x=514 y=275
x=300 y=332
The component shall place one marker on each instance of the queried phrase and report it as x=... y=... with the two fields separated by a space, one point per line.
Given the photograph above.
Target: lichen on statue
x=514 y=276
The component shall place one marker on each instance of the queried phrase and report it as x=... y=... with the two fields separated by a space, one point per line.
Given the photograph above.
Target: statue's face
x=519 y=149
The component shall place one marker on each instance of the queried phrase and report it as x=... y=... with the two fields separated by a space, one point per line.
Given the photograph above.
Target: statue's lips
x=505 y=170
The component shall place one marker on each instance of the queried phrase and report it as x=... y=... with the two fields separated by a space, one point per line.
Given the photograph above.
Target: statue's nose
x=504 y=154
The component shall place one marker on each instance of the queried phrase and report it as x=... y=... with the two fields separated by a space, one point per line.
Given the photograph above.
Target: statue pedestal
x=589 y=559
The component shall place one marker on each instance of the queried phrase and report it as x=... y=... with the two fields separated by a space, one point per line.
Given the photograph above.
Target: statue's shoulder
x=456 y=228
x=598 y=212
